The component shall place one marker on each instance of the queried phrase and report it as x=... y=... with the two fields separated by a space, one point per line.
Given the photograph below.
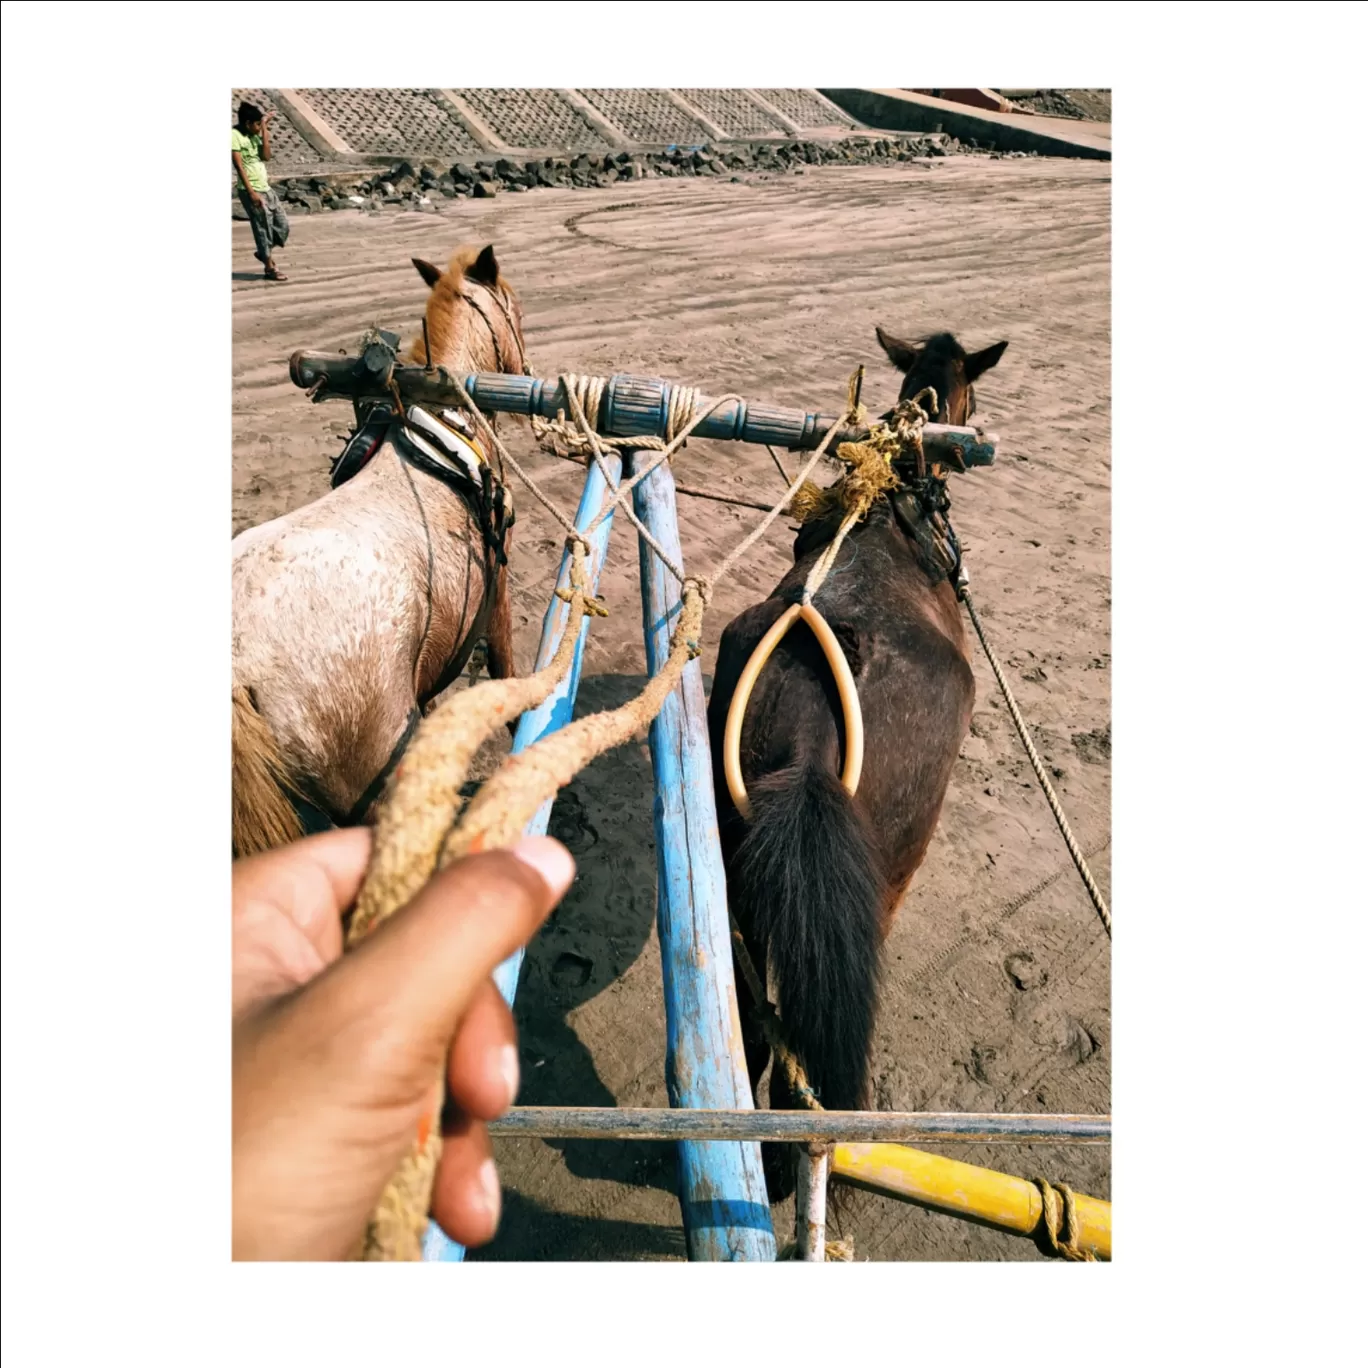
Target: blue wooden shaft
x=721 y=1185
x=552 y=715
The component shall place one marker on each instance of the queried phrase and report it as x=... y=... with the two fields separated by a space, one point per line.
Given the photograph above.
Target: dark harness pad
x=362 y=445
x=921 y=511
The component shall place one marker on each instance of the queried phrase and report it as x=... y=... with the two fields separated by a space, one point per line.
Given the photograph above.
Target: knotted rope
x=1059 y=1224
x=585 y=392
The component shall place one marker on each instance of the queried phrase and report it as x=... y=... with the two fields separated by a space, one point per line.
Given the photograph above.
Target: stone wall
x=319 y=127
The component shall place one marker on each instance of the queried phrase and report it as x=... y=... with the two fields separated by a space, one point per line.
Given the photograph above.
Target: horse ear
x=975 y=365
x=486 y=269
x=902 y=354
x=431 y=274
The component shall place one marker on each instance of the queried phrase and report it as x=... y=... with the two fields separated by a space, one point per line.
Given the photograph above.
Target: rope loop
x=1059 y=1224
x=700 y=586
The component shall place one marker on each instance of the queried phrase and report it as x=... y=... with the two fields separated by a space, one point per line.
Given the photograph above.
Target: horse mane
x=941 y=347
x=443 y=316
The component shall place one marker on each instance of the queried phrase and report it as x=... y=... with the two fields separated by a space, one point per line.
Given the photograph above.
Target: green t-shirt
x=248 y=146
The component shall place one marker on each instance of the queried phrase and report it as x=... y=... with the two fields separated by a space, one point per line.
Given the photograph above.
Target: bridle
x=513 y=326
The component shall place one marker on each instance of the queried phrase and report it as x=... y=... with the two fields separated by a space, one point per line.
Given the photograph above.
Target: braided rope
x=1080 y=862
x=508 y=800
x=411 y=825
x=586 y=423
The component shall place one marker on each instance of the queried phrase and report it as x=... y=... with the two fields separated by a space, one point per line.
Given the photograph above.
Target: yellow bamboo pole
x=932 y=1180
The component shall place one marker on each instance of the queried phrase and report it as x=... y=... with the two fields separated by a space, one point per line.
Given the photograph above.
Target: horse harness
x=513 y=328
x=443 y=447
x=921 y=506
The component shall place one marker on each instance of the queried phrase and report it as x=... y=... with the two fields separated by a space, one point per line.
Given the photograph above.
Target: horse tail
x=806 y=879
x=263 y=815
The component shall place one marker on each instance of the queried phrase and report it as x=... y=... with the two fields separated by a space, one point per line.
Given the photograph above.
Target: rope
x=1060 y=1232
x=779 y=465
x=1063 y=822
x=588 y=390
x=689 y=492
x=507 y=801
x=547 y=503
x=596 y=450
x=799 y=480
x=683 y=406
x=411 y=825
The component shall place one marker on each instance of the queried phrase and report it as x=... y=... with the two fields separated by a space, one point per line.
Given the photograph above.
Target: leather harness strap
x=487 y=500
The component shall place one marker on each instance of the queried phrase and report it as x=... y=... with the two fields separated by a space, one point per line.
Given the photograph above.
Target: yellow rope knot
x=869 y=462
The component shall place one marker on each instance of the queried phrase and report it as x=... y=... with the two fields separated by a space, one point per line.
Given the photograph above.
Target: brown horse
x=349 y=614
x=815 y=876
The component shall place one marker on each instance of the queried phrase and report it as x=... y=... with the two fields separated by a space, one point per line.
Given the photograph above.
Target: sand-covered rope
x=505 y=804
x=413 y=820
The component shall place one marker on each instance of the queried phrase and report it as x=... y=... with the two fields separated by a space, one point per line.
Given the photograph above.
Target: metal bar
x=688 y=1122
x=722 y=1194
x=722 y=498
x=632 y=406
x=809 y=1206
x=932 y=1180
x=551 y=716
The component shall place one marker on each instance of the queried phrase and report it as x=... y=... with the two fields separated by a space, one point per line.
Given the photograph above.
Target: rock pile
x=421 y=187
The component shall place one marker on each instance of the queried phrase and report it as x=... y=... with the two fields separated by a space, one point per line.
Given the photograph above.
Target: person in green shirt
x=251 y=150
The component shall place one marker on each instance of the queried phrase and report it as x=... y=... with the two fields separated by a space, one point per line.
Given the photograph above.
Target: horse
x=352 y=613
x=815 y=875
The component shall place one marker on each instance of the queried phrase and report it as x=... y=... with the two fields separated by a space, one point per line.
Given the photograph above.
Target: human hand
x=335 y=1057
x=255 y=197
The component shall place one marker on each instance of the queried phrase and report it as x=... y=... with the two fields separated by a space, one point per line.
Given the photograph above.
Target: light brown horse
x=349 y=613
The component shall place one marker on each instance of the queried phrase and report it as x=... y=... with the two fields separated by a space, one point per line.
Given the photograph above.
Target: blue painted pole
x=551 y=716
x=721 y=1184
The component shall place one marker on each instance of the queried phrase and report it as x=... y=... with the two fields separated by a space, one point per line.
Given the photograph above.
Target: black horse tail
x=806 y=881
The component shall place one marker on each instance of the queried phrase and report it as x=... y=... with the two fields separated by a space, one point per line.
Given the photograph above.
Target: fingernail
x=549 y=858
x=490 y=1198
x=508 y=1069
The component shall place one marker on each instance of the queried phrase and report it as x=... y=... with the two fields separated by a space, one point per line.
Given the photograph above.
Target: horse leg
x=776 y=1159
x=752 y=1037
x=499 y=635
x=779 y=1160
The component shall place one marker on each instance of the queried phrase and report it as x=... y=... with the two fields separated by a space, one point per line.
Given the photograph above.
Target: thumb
x=412 y=980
